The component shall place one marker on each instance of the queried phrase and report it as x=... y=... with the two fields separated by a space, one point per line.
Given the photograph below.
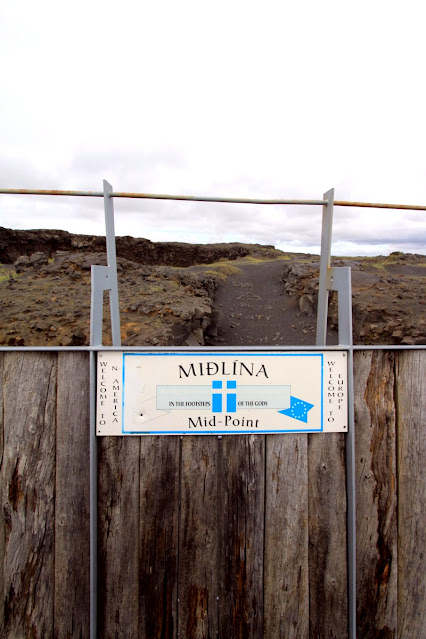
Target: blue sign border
x=216 y=431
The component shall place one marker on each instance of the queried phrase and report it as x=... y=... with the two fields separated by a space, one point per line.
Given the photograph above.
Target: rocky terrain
x=222 y=294
x=388 y=296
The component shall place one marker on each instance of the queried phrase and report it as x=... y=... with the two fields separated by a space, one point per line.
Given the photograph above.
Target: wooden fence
x=240 y=537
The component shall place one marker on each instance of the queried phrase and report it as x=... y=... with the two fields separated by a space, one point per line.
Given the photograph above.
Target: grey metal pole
x=351 y=499
x=99 y=285
x=339 y=279
x=99 y=275
x=326 y=232
x=112 y=264
x=103 y=278
x=93 y=503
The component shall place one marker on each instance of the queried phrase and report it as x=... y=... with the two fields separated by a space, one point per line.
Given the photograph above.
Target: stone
x=306 y=304
x=191 y=340
x=199 y=336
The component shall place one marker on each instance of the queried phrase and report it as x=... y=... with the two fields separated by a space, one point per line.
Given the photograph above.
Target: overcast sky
x=242 y=99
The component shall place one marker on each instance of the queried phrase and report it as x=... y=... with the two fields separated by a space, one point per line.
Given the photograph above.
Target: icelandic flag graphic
x=231 y=396
x=298 y=409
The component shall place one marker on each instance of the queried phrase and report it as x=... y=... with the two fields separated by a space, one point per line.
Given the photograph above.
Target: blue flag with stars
x=298 y=409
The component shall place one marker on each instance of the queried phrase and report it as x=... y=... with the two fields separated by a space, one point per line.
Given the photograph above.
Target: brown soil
x=249 y=294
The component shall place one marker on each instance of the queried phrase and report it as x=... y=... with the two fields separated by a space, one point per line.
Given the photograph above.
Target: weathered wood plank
x=376 y=494
x=328 y=611
x=72 y=544
x=221 y=524
x=198 y=539
x=118 y=537
x=286 y=571
x=411 y=418
x=159 y=521
x=241 y=517
x=28 y=480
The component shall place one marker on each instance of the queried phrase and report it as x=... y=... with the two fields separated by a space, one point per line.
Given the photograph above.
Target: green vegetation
x=258 y=259
x=379 y=264
x=221 y=270
x=155 y=288
x=7 y=272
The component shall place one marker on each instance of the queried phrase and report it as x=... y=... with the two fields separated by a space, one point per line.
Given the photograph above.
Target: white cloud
x=232 y=99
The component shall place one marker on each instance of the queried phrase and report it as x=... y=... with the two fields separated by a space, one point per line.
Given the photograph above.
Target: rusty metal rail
x=201 y=198
x=376 y=205
x=159 y=196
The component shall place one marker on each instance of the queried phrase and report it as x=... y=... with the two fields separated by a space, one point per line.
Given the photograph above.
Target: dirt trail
x=254 y=310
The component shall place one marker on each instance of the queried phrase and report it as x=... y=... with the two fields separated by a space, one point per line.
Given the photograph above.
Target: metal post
x=327 y=226
x=339 y=279
x=96 y=312
x=104 y=278
x=99 y=284
x=112 y=265
x=93 y=501
x=351 y=499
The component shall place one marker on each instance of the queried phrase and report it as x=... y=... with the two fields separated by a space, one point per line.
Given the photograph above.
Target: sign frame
x=137 y=392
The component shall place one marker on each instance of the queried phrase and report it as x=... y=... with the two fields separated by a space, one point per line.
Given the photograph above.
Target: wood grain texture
x=241 y=517
x=211 y=516
x=377 y=565
x=159 y=521
x=118 y=523
x=28 y=481
x=286 y=570
x=198 y=539
x=328 y=612
x=72 y=542
x=411 y=420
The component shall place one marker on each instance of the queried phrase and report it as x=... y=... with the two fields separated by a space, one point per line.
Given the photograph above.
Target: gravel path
x=254 y=310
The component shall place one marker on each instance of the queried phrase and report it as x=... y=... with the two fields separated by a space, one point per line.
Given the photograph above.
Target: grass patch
x=380 y=265
x=221 y=270
x=258 y=259
x=6 y=272
x=155 y=288
x=382 y=262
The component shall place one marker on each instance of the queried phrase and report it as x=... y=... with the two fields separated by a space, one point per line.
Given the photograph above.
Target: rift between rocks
x=45 y=282
x=167 y=289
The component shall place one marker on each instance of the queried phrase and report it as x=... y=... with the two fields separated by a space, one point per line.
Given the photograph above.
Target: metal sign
x=179 y=393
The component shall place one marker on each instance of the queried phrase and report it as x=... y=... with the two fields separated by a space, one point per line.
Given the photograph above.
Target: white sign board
x=162 y=393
